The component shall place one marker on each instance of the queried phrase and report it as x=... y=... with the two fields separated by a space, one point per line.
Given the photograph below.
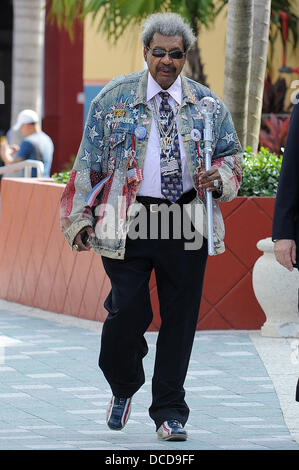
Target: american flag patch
x=134 y=174
x=96 y=190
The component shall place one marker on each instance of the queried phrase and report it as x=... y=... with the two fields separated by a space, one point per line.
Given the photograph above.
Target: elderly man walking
x=141 y=150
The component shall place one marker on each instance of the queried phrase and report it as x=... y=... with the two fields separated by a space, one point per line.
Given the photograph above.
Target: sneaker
x=172 y=430
x=118 y=412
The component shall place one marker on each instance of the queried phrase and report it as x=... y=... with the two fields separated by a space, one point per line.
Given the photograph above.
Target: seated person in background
x=36 y=144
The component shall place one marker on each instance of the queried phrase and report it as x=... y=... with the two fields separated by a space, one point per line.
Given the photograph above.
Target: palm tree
x=250 y=60
x=279 y=7
x=261 y=23
x=245 y=60
x=245 y=103
x=27 y=62
x=117 y=15
x=237 y=62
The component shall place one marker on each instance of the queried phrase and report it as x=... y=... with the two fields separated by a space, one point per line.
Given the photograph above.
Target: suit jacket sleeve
x=285 y=218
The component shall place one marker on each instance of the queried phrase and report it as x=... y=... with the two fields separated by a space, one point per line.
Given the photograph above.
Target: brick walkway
x=240 y=389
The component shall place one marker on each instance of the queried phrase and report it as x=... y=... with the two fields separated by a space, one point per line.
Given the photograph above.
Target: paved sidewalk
x=240 y=389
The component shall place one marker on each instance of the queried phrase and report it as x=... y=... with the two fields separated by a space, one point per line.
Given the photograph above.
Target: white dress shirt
x=151 y=184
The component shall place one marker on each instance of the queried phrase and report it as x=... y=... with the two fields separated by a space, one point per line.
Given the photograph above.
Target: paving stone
x=53 y=396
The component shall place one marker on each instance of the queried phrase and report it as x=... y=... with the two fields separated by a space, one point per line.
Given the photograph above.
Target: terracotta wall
x=38 y=268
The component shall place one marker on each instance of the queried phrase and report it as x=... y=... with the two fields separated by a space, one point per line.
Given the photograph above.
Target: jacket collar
x=187 y=94
x=141 y=88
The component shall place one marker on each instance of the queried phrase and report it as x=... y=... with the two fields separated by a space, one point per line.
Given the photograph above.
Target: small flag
x=96 y=190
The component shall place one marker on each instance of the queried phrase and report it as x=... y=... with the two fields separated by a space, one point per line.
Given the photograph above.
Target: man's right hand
x=285 y=253
x=81 y=242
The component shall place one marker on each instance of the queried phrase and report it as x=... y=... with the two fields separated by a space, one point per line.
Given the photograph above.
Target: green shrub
x=260 y=173
x=61 y=177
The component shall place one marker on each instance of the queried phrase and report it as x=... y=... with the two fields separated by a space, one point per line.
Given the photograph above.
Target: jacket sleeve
x=228 y=157
x=287 y=198
x=75 y=214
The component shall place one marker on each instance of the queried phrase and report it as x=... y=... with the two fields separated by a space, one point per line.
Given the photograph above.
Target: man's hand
x=7 y=152
x=4 y=148
x=81 y=242
x=285 y=253
x=14 y=149
x=207 y=178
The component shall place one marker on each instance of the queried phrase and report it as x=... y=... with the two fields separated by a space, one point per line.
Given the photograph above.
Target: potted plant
x=275 y=288
x=260 y=173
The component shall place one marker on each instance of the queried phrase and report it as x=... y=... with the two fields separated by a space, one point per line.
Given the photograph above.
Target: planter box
x=276 y=290
x=38 y=268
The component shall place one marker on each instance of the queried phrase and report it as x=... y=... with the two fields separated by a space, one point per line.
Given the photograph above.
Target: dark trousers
x=179 y=276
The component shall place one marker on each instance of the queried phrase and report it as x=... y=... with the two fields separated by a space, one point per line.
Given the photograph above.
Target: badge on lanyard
x=134 y=175
x=169 y=166
x=195 y=135
x=131 y=158
x=140 y=132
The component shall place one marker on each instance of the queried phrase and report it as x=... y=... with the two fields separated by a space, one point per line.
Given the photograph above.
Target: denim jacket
x=100 y=191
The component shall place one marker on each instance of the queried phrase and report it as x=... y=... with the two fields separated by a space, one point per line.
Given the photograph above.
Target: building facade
x=75 y=70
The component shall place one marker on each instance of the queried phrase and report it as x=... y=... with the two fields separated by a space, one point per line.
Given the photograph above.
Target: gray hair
x=167 y=24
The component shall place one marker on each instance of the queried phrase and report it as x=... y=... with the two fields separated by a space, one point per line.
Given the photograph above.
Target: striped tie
x=171 y=167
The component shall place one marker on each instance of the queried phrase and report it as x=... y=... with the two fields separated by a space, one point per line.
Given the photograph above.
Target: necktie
x=171 y=167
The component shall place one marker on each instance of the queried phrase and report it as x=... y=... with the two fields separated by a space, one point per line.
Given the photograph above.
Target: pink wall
x=63 y=115
x=38 y=268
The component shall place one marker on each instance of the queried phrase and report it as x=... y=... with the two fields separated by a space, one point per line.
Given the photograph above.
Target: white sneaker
x=172 y=430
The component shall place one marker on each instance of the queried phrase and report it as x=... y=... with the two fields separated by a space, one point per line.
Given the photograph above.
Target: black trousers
x=179 y=276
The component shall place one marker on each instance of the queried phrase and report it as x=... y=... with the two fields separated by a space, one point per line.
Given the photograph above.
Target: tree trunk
x=28 y=45
x=237 y=63
x=194 y=67
x=261 y=24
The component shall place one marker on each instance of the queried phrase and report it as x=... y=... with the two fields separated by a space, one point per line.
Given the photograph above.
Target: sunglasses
x=176 y=54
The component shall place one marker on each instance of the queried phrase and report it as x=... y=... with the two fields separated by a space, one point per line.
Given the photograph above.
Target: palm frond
x=114 y=16
x=64 y=12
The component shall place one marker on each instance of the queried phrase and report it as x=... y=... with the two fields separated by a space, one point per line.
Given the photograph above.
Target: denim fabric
x=99 y=192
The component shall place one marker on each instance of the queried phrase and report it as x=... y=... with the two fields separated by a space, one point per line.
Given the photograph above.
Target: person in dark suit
x=285 y=232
